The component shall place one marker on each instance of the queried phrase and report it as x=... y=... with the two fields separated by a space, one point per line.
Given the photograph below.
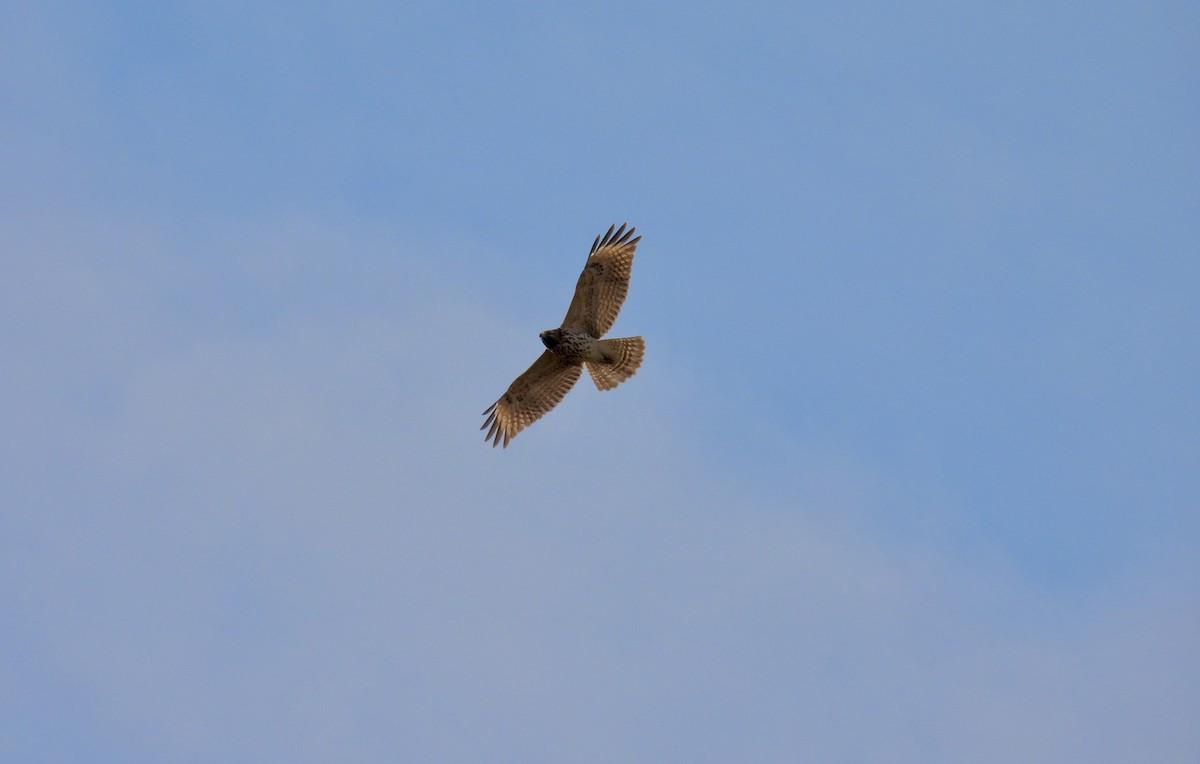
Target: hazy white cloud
x=294 y=540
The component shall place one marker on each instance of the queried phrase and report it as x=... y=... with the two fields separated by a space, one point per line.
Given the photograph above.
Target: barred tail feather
x=624 y=357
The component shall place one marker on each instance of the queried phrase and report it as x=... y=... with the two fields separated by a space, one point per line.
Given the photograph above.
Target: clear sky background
x=911 y=472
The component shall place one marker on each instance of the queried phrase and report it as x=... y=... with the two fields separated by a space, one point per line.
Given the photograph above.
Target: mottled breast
x=576 y=346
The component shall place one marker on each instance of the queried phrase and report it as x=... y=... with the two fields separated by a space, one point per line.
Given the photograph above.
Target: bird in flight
x=598 y=296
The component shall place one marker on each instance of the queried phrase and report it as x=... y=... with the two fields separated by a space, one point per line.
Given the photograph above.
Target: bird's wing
x=530 y=396
x=604 y=282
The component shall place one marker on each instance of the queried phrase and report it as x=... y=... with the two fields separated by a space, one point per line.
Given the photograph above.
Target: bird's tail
x=622 y=356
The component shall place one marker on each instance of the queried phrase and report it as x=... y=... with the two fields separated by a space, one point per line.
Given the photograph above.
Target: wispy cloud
x=293 y=539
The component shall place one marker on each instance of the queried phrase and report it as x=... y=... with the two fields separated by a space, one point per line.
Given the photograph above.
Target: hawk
x=598 y=296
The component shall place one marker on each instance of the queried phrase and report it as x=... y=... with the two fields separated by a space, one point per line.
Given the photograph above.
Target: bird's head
x=549 y=337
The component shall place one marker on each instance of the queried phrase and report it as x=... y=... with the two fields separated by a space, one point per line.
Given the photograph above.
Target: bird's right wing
x=530 y=396
x=602 y=286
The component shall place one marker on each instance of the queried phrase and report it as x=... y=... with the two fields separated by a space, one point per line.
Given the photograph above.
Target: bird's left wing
x=602 y=286
x=530 y=396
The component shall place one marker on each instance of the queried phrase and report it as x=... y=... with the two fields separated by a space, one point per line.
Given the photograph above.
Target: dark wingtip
x=602 y=239
x=614 y=236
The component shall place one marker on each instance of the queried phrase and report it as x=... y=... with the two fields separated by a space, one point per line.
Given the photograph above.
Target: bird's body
x=572 y=345
x=599 y=293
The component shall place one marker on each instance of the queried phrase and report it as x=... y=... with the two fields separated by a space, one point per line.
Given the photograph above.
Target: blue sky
x=910 y=472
